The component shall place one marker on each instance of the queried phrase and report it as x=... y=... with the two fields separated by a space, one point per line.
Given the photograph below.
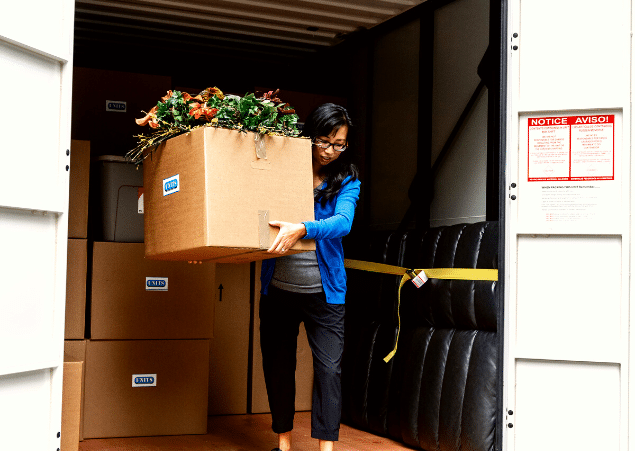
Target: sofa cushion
x=439 y=391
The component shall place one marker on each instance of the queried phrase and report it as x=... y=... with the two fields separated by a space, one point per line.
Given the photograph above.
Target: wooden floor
x=244 y=433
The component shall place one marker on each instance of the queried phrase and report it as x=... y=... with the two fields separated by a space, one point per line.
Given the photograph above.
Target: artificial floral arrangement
x=179 y=112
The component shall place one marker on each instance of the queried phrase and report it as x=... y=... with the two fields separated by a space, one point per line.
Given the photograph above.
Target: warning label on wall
x=571 y=148
x=569 y=172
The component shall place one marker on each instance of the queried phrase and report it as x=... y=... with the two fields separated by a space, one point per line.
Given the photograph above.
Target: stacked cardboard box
x=73 y=393
x=147 y=360
x=147 y=321
x=77 y=242
x=106 y=103
x=76 y=273
x=151 y=357
x=229 y=348
x=134 y=298
x=145 y=387
x=76 y=278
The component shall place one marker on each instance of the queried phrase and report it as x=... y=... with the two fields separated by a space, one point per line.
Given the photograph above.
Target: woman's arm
x=340 y=223
x=336 y=226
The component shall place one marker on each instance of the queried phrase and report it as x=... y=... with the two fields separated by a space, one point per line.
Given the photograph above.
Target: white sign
x=567 y=181
x=571 y=148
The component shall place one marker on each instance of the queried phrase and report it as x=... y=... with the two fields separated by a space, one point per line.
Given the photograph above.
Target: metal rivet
x=67 y=167
x=68 y=152
x=509 y=425
x=59 y=434
x=513 y=197
x=510 y=412
x=515 y=35
x=515 y=47
x=513 y=185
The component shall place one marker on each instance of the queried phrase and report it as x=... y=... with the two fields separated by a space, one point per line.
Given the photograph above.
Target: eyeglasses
x=325 y=145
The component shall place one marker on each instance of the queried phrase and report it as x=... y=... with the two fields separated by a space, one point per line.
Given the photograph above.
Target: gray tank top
x=298 y=273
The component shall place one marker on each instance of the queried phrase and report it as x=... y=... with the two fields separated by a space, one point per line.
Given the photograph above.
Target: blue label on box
x=156 y=284
x=171 y=185
x=144 y=380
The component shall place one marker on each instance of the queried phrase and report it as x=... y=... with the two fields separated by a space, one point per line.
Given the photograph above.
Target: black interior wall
x=200 y=67
x=421 y=190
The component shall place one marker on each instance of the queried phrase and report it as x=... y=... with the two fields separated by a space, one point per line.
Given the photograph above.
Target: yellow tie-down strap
x=410 y=274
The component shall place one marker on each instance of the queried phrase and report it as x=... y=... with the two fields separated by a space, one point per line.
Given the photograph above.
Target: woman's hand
x=288 y=235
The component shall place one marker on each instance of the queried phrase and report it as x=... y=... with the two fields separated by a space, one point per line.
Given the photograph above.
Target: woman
x=311 y=286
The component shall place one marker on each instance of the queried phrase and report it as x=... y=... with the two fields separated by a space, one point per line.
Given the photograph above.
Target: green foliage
x=249 y=113
x=179 y=112
x=175 y=111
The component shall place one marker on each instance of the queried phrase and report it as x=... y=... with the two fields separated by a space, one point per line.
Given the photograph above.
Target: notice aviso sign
x=569 y=179
x=571 y=148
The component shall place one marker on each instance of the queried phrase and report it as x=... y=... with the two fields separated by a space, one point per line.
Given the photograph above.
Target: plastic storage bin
x=121 y=186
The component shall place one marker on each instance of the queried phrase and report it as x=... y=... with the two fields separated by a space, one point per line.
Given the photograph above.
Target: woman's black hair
x=323 y=121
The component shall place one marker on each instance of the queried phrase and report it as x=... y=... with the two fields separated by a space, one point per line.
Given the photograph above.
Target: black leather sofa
x=439 y=392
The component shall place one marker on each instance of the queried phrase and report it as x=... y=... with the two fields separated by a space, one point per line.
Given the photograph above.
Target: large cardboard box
x=76 y=275
x=71 y=405
x=229 y=349
x=75 y=351
x=112 y=130
x=211 y=193
x=136 y=298
x=145 y=388
x=78 y=189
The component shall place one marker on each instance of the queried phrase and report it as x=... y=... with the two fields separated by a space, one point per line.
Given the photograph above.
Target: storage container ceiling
x=242 y=28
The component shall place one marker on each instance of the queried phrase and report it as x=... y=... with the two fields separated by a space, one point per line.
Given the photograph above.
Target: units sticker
x=156 y=284
x=116 y=106
x=171 y=185
x=144 y=380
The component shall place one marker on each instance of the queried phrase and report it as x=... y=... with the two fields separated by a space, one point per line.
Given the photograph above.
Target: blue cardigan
x=332 y=222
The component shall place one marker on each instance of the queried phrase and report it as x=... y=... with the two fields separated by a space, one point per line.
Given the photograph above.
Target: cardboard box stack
x=76 y=277
x=145 y=368
x=147 y=360
x=72 y=402
x=150 y=357
x=77 y=240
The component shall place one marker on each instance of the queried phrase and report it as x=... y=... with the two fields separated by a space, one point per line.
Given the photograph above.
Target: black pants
x=281 y=313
